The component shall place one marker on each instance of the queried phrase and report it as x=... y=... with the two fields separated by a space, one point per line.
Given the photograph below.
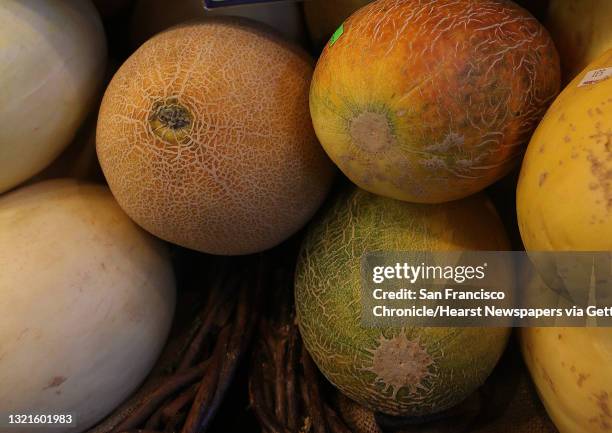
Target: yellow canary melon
x=86 y=300
x=564 y=195
x=323 y=17
x=431 y=104
x=410 y=371
x=205 y=138
x=564 y=202
x=571 y=370
x=582 y=31
x=153 y=16
x=52 y=63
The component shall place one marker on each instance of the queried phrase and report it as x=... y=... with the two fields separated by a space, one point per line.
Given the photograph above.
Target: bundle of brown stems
x=284 y=384
x=189 y=382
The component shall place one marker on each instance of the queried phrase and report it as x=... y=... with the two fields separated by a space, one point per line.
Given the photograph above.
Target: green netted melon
x=397 y=371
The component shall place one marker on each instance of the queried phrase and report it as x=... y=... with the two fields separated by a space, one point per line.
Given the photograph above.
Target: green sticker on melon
x=336 y=35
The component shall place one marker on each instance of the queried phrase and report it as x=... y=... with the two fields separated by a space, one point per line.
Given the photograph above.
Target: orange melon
x=429 y=102
x=205 y=138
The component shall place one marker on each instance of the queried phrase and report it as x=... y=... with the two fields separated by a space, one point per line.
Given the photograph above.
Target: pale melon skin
x=327 y=296
x=242 y=169
x=52 y=65
x=86 y=300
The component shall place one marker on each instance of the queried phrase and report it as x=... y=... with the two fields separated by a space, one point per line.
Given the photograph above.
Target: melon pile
x=422 y=106
x=204 y=139
x=345 y=126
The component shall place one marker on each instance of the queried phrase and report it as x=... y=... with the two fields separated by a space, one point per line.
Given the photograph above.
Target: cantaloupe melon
x=429 y=102
x=400 y=371
x=205 y=138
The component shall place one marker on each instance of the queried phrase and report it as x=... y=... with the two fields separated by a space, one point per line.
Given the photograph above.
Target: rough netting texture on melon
x=206 y=141
x=431 y=101
x=410 y=371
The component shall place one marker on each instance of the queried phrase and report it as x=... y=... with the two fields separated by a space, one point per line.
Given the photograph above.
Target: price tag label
x=596 y=76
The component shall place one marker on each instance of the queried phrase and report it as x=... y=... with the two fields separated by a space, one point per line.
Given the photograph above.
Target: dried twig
x=311 y=385
x=284 y=386
x=290 y=378
x=148 y=405
x=206 y=389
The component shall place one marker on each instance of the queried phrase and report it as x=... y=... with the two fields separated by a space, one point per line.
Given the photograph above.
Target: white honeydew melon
x=52 y=62
x=153 y=16
x=86 y=303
